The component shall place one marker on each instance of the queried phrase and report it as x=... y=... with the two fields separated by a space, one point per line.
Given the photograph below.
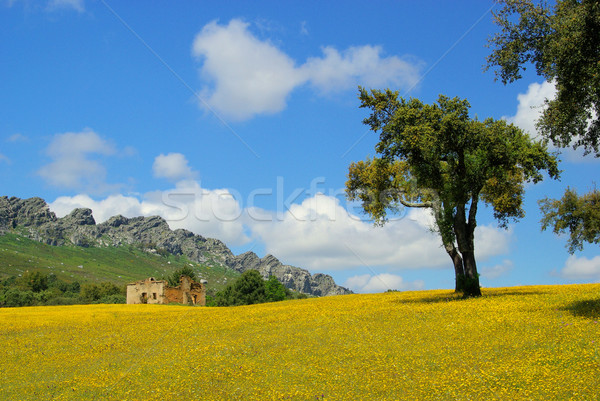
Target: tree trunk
x=471 y=282
x=459 y=271
x=465 y=238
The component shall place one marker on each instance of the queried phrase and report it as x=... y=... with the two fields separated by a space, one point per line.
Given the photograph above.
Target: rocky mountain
x=32 y=218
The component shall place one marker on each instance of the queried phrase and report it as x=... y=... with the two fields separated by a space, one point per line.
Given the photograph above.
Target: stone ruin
x=151 y=291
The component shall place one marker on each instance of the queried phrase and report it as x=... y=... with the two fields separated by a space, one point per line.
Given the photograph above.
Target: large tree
x=436 y=157
x=563 y=43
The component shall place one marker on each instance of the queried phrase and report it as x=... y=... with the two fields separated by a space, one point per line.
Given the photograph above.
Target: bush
x=174 y=278
x=248 y=289
x=275 y=291
x=14 y=297
x=33 y=281
x=93 y=292
x=113 y=299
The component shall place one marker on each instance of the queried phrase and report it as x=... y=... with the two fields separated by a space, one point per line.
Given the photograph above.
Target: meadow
x=534 y=343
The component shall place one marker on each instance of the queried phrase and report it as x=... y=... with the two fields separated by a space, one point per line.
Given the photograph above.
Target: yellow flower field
x=540 y=343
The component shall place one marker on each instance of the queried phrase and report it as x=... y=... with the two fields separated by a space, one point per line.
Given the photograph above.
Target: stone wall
x=149 y=291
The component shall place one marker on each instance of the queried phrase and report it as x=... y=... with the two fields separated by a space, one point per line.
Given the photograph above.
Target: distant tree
x=14 y=297
x=33 y=281
x=563 y=43
x=89 y=293
x=275 y=291
x=248 y=289
x=436 y=157
x=104 y=292
x=175 y=277
x=580 y=215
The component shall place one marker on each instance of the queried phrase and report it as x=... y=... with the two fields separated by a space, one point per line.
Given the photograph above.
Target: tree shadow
x=589 y=308
x=452 y=296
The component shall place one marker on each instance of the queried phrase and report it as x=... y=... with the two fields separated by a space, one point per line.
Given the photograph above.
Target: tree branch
x=413 y=204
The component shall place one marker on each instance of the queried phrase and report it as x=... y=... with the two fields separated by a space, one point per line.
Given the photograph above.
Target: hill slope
x=33 y=219
x=119 y=265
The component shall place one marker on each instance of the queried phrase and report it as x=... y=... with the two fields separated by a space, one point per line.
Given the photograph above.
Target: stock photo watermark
x=311 y=203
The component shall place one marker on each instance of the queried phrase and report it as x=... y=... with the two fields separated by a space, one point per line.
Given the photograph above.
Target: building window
x=153 y=295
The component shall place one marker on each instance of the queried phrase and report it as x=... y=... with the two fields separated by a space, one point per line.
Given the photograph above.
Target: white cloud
x=77 y=5
x=172 y=166
x=382 y=282
x=211 y=213
x=253 y=77
x=531 y=105
x=582 y=268
x=72 y=164
x=529 y=110
x=320 y=234
x=250 y=76
x=496 y=271
x=362 y=65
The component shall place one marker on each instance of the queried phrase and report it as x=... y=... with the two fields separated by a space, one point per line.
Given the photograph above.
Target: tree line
x=34 y=288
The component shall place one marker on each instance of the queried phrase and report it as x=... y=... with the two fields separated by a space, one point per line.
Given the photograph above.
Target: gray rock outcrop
x=33 y=218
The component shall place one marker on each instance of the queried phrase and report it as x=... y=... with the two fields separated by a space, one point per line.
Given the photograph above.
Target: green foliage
x=275 y=291
x=14 y=297
x=33 y=281
x=102 y=293
x=250 y=288
x=175 y=277
x=579 y=215
x=563 y=43
x=435 y=156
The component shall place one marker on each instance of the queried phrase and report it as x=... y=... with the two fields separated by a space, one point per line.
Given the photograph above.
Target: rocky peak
x=79 y=217
x=24 y=212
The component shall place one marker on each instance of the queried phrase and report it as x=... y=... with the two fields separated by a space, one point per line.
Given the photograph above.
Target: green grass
x=119 y=265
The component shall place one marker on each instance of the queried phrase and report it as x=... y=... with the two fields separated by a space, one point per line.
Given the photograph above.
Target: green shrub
x=248 y=289
x=174 y=278
x=275 y=291
x=14 y=297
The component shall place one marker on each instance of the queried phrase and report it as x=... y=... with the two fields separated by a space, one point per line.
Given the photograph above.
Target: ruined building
x=151 y=291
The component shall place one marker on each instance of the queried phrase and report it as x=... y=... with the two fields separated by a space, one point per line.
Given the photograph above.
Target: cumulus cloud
x=321 y=234
x=251 y=76
x=496 y=271
x=172 y=166
x=582 y=268
x=529 y=110
x=73 y=165
x=366 y=283
x=211 y=213
x=362 y=65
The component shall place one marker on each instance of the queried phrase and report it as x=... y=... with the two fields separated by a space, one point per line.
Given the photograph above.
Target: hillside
x=119 y=265
x=526 y=343
x=31 y=218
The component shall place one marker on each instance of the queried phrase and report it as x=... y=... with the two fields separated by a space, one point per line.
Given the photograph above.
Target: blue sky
x=238 y=120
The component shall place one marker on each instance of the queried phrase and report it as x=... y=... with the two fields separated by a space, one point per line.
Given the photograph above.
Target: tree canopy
x=580 y=215
x=436 y=157
x=563 y=44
